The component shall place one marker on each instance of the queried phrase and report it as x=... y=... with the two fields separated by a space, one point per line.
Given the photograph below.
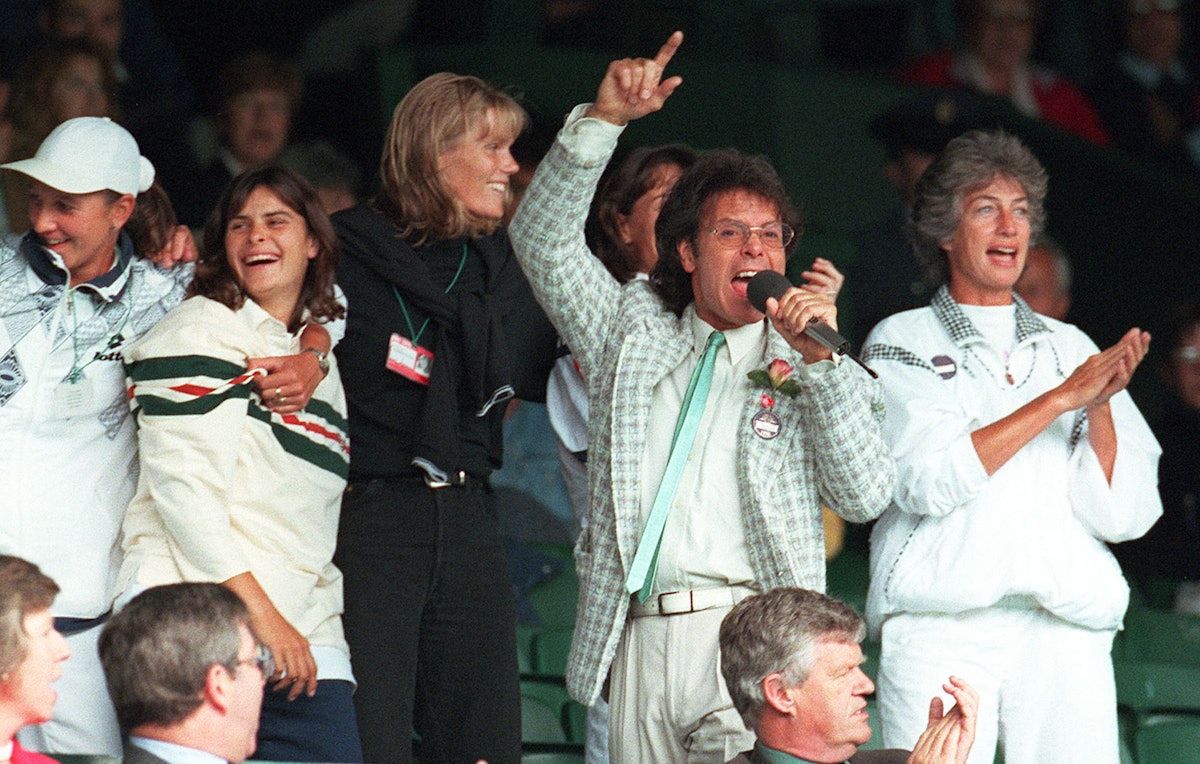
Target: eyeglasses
x=731 y=233
x=1187 y=354
x=262 y=659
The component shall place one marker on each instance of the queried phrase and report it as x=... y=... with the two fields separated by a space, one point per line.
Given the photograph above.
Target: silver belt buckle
x=460 y=478
x=662 y=607
x=432 y=482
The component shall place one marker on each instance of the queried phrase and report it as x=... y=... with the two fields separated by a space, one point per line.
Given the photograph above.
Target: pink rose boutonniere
x=777 y=378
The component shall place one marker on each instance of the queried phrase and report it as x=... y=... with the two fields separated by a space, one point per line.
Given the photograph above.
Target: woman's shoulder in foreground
x=193 y=326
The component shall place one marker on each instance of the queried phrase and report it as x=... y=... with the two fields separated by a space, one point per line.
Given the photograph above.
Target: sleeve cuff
x=587 y=137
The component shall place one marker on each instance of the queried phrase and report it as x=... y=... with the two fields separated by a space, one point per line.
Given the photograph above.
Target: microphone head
x=766 y=284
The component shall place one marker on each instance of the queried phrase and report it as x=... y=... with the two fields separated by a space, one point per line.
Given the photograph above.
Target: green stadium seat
x=540 y=721
x=1169 y=741
x=846 y=577
x=525 y=634
x=1147 y=688
x=554 y=600
x=1160 y=636
x=549 y=649
x=547 y=700
x=575 y=715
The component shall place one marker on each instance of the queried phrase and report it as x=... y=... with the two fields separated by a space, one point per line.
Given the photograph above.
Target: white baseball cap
x=88 y=154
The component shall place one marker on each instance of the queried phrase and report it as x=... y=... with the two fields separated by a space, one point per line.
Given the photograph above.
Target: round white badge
x=766 y=424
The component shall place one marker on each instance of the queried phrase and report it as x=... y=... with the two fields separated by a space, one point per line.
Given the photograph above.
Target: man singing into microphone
x=704 y=486
x=1019 y=454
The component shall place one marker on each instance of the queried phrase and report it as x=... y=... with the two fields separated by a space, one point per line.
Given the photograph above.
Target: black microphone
x=766 y=284
x=773 y=284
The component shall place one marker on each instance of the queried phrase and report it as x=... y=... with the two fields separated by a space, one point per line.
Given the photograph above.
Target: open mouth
x=1003 y=253
x=741 y=279
x=260 y=259
x=54 y=244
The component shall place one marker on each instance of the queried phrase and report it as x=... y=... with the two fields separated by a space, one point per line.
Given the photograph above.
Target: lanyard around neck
x=77 y=370
x=415 y=335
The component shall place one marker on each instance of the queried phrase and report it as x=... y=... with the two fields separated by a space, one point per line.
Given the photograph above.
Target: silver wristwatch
x=322 y=359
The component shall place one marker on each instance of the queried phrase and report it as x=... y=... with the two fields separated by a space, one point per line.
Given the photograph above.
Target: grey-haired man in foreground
x=793 y=666
x=186 y=675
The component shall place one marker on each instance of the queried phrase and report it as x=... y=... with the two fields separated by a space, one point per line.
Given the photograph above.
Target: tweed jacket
x=830 y=450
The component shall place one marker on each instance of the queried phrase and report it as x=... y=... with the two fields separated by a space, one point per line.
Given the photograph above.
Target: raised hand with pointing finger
x=633 y=87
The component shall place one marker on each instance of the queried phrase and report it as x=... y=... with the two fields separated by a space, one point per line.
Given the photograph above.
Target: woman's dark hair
x=153 y=221
x=625 y=183
x=216 y=279
x=714 y=172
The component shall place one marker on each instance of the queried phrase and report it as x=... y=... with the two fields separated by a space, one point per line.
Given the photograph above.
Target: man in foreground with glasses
x=704 y=488
x=185 y=674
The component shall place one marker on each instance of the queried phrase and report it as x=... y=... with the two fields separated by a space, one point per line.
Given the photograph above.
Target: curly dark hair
x=715 y=172
x=622 y=186
x=216 y=279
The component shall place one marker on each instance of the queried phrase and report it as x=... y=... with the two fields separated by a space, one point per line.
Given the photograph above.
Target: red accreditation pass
x=409 y=360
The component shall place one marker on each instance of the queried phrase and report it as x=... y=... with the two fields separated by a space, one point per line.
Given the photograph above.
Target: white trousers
x=668 y=701
x=1046 y=689
x=595 y=741
x=84 y=720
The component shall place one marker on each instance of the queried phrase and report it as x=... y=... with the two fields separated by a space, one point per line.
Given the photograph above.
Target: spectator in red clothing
x=999 y=37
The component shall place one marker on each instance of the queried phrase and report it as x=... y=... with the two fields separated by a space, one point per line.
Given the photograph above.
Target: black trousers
x=430 y=622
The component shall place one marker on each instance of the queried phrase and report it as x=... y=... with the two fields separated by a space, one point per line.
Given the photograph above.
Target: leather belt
x=68 y=626
x=689 y=601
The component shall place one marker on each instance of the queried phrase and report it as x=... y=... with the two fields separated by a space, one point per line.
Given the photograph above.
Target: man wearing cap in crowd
x=885 y=277
x=73 y=292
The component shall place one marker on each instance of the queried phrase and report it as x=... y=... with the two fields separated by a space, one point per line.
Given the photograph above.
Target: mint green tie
x=645 y=560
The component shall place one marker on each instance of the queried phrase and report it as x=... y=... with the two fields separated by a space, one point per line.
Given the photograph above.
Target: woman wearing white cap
x=72 y=294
